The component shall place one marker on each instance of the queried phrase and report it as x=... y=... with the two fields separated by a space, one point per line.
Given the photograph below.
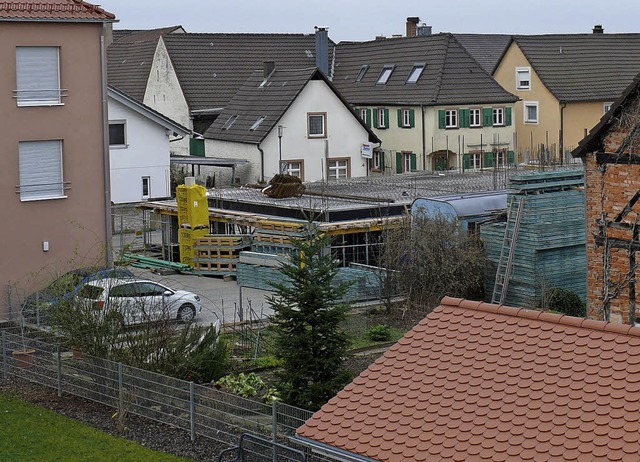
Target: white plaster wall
x=249 y=173
x=345 y=135
x=146 y=154
x=164 y=94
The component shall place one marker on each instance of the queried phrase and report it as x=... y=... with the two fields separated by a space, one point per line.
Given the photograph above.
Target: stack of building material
x=550 y=249
x=193 y=219
x=274 y=237
x=218 y=254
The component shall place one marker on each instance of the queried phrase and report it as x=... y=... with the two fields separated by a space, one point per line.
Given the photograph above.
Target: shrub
x=564 y=301
x=379 y=333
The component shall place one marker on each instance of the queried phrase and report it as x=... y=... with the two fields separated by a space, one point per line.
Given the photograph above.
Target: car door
x=122 y=300
x=150 y=301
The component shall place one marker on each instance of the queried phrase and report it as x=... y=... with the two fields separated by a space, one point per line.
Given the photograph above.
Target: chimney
x=322 y=50
x=412 y=22
x=598 y=29
x=269 y=67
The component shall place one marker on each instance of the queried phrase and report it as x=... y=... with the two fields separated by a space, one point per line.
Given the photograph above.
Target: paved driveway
x=220 y=299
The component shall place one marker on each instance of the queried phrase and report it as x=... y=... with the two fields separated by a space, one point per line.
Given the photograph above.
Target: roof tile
x=53 y=10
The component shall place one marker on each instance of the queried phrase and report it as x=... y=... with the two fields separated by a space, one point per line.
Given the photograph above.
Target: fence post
x=274 y=429
x=120 y=390
x=192 y=410
x=5 y=372
x=59 y=365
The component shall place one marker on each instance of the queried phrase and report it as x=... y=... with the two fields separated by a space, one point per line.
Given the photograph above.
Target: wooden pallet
x=273 y=238
x=280 y=226
x=221 y=240
x=204 y=252
x=210 y=265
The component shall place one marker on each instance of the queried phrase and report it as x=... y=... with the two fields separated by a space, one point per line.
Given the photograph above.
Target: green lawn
x=32 y=433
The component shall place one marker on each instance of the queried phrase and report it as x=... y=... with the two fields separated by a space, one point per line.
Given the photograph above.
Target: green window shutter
x=382 y=163
x=400 y=118
x=488 y=159
x=412 y=118
x=441 y=119
x=196 y=147
x=507 y=116
x=357 y=110
x=414 y=166
x=368 y=121
x=511 y=157
x=386 y=118
x=375 y=118
x=487 y=116
x=466 y=161
x=464 y=118
x=398 y=162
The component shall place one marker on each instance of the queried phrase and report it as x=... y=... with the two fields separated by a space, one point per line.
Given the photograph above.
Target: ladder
x=503 y=272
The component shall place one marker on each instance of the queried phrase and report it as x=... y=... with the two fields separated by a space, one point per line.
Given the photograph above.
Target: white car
x=139 y=300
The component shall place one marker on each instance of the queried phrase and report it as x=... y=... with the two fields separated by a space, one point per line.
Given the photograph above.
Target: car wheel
x=186 y=313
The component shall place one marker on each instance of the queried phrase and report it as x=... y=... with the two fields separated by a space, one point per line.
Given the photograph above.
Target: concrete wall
x=73 y=226
x=146 y=154
x=164 y=94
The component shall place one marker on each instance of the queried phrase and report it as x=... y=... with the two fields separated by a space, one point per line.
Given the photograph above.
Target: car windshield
x=90 y=292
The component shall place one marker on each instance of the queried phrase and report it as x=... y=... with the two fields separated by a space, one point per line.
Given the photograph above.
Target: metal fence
x=201 y=410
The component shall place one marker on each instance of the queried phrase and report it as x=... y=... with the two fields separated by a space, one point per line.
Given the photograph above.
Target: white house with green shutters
x=429 y=101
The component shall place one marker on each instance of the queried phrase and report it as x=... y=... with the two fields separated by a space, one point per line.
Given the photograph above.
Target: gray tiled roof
x=270 y=99
x=487 y=49
x=451 y=75
x=129 y=59
x=583 y=67
x=212 y=67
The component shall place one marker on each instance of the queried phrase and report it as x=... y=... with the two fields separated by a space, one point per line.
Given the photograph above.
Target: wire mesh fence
x=200 y=410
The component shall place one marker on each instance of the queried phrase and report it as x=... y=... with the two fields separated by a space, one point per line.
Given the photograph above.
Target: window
x=498 y=116
x=382 y=118
x=339 y=168
x=475 y=119
x=475 y=159
x=406 y=119
x=363 y=70
x=146 y=187
x=405 y=162
x=451 y=118
x=227 y=125
x=501 y=158
x=607 y=107
x=316 y=125
x=40 y=164
x=257 y=123
x=523 y=78
x=415 y=73
x=38 y=76
x=364 y=115
x=117 y=133
x=530 y=112
x=378 y=160
x=385 y=74
x=293 y=168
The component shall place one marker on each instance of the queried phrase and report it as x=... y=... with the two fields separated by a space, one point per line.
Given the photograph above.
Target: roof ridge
x=525 y=313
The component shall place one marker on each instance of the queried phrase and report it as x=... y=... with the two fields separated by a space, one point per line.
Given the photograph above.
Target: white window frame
x=451 y=118
x=385 y=73
x=523 y=78
x=498 y=116
x=317 y=115
x=338 y=169
x=257 y=123
x=475 y=160
x=123 y=123
x=525 y=116
x=37 y=67
x=500 y=159
x=381 y=121
x=293 y=168
x=377 y=159
x=475 y=117
x=363 y=70
x=41 y=170
x=406 y=162
x=606 y=107
x=406 y=118
x=147 y=180
x=364 y=114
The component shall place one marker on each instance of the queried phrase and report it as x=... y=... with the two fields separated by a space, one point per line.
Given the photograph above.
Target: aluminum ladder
x=505 y=264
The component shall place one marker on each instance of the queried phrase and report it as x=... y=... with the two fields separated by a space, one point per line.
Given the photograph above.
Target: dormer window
x=227 y=125
x=363 y=70
x=257 y=123
x=385 y=74
x=415 y=73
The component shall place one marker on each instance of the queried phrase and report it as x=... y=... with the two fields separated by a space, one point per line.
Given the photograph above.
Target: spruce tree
x=308 y=314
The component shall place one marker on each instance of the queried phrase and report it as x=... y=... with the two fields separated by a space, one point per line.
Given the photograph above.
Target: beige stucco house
x=565 y=83
x=54 y=170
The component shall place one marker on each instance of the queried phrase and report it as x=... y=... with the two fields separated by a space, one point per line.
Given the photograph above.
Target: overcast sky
x=364 y=20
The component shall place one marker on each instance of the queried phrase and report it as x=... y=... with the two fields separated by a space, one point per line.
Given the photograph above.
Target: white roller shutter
x=40 y=170
x=38 y=75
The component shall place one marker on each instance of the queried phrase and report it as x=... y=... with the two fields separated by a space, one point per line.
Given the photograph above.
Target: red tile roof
x=476 y=381
x=53 y=10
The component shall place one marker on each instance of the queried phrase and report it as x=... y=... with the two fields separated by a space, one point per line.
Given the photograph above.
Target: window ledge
x=39 y=104
x=35 y=199
x=118 y=146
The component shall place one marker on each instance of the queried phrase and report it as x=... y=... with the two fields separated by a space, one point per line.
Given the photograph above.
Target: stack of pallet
x=274 y=237
x=193 y=219
x=218 y=255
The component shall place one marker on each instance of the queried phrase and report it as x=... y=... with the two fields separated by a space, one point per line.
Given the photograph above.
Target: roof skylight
x=385 y=74
x=415 y=73
x=257 y=123
x=229 y=122
x=363 y=70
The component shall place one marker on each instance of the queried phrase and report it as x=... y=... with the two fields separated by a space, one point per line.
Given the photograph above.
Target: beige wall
x=74 y=226
x=580 y=118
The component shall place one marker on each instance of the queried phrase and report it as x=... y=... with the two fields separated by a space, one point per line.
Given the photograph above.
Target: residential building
x=565 y=83
x=295 y=122
x=430 y=102
x=481 y=381
x=611 y=153
x=55 y=164
x=139 y=145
